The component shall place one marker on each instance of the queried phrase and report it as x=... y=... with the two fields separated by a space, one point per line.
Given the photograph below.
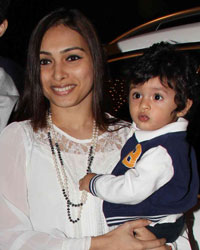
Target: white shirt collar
x=141 y=135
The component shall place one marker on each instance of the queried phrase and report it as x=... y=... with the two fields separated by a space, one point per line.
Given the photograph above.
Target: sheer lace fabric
x=33 y=210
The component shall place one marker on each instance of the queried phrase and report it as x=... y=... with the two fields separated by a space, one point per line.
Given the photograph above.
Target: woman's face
x=66 y=68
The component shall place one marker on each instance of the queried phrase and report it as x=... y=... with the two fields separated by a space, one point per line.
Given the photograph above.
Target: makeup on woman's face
x=66 y=68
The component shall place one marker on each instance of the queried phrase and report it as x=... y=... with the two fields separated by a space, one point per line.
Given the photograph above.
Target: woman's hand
x=85 y=182
x=144 y=234
x=123 y=238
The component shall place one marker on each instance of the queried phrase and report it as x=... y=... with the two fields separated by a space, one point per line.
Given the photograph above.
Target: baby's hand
x=85 y=181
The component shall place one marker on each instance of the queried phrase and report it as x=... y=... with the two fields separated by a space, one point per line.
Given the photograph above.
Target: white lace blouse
x=33 y=212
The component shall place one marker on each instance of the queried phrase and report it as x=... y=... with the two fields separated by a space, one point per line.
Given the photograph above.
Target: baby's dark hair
x=175 y=68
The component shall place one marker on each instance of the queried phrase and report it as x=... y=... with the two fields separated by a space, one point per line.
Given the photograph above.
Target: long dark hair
x=33 y=105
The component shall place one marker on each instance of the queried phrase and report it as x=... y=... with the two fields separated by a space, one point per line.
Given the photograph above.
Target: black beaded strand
x=62 y=164
x=69 y=203
x=64 y=190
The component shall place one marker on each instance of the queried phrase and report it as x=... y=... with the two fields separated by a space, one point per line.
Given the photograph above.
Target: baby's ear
x=183 y=112
x=3 y=27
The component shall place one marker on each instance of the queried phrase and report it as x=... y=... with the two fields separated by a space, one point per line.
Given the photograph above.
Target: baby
x=156 y=177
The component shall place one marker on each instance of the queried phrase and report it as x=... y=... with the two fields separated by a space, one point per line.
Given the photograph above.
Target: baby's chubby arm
x=85 y=182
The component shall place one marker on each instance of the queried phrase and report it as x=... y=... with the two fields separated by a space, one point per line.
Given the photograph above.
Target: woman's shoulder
x=21 y=124
x=119 y=130
x=118 y=124
x=121 y=126
x=17 y=128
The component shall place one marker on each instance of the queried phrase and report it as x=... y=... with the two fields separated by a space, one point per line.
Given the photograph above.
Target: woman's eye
x=44 y=61
x=158 y=97
x=136 y=95
x=73 y=58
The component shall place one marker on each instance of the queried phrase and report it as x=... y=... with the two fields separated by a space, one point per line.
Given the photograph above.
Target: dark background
x=110 y=19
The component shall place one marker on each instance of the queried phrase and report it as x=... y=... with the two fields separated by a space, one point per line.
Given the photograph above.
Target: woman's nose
x=60 y=72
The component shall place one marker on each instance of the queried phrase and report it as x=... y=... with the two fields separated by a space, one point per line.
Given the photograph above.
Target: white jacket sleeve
x=8 y=97
x=153 y=171
x=16 y=229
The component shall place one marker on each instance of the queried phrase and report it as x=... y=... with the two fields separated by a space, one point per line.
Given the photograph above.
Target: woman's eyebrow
x=72 y=48
x=63 y=51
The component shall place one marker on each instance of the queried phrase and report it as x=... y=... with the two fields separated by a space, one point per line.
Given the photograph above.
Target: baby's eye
x=44 y=61
x=73 y=58
x=158 y=97
x=136 y=95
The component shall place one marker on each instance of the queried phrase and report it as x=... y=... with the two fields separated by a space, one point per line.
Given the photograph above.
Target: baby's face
x=151 y=104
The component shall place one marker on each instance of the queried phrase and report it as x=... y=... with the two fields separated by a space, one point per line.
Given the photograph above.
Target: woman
x=63 y=134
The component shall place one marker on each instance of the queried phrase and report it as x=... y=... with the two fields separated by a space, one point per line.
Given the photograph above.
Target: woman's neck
x=76 y=124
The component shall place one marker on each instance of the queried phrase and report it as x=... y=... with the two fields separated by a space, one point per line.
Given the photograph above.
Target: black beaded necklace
x=61 y=174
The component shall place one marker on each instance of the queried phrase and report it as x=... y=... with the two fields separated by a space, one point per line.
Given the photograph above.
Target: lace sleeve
x=16 y=230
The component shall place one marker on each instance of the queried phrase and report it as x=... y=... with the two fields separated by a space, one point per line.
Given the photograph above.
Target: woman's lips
x=63 y=90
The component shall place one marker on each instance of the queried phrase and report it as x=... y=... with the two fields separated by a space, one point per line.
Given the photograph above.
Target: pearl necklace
x=60 y=169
